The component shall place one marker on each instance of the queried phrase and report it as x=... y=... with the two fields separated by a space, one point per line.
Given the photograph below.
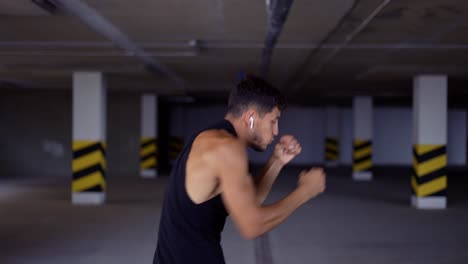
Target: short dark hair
x=254 y=91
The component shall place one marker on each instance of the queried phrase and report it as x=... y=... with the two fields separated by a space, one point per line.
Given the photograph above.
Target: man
x=210 y=179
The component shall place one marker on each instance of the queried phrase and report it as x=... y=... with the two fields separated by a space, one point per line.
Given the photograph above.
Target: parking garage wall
x=36 y=131
x=392 y=133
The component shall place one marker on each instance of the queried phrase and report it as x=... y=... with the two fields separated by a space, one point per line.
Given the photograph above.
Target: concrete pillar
x=148 y=141
x=362 y=138
x=332 y=146
x=89 y=138
x=429 y=177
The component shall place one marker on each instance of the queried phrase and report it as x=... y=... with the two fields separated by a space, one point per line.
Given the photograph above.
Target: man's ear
x=247 y=117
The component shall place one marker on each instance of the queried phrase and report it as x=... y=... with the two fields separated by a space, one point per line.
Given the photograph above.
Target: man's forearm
x=267 y=177
x=270 y=216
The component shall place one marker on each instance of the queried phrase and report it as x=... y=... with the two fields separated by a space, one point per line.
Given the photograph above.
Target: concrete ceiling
x=327 y=50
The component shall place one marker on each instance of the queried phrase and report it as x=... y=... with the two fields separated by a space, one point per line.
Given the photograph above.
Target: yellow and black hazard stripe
x=89 y=166
x=331 y=149
x=429 y=177
x=362 y=155
x=176 y=145
x=148 y=153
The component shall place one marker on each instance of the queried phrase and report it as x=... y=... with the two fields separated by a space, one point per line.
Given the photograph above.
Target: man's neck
x=239 y=127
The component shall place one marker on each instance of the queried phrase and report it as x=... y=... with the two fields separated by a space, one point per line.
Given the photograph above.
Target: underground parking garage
x=100 y=99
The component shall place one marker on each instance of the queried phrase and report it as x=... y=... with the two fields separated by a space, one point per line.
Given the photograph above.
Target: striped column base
x=148 y=157
x=89 y=170
x=331 y=152
x=429 y=177
x=362 y=160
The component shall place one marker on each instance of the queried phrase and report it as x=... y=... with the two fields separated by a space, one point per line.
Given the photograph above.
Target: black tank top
x=190 y=233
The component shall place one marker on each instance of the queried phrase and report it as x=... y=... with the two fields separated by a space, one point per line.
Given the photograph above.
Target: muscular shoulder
x=219 y=143
x=220 y=147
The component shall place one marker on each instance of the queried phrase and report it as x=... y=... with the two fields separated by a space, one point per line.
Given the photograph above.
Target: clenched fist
x=312 y=182
x=286 y=149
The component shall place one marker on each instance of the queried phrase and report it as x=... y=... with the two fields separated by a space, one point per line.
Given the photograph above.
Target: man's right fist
x=312 y=182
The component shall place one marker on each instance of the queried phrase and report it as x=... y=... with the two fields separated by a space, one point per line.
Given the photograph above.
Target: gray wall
x=36 y=134
x=346 y=136
x=392 y=133
x=392 y=136
x=123 y=134
x=456 y=135
x=179 y=128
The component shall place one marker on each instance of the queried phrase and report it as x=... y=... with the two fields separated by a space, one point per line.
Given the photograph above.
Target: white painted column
x=362 y=138
x=332 y=146
x=89 y=138
x=148 y=141
x=429 y=177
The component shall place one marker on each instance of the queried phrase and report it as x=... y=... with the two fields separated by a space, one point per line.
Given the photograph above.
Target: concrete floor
x=353 y=222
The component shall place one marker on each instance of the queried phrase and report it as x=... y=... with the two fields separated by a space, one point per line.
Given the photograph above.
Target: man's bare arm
x=267 y=177
x=239 y=194
x=285 y=150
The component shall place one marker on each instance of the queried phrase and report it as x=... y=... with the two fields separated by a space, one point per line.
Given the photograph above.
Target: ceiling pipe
x=94 y=20
x=341 y=46
x=350 y=37
x=299 y=73
x=277 y=11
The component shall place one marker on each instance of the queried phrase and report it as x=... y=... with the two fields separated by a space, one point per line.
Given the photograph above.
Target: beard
x=255 y=145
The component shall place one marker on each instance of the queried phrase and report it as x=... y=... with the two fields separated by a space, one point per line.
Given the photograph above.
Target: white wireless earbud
x=251 y=122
